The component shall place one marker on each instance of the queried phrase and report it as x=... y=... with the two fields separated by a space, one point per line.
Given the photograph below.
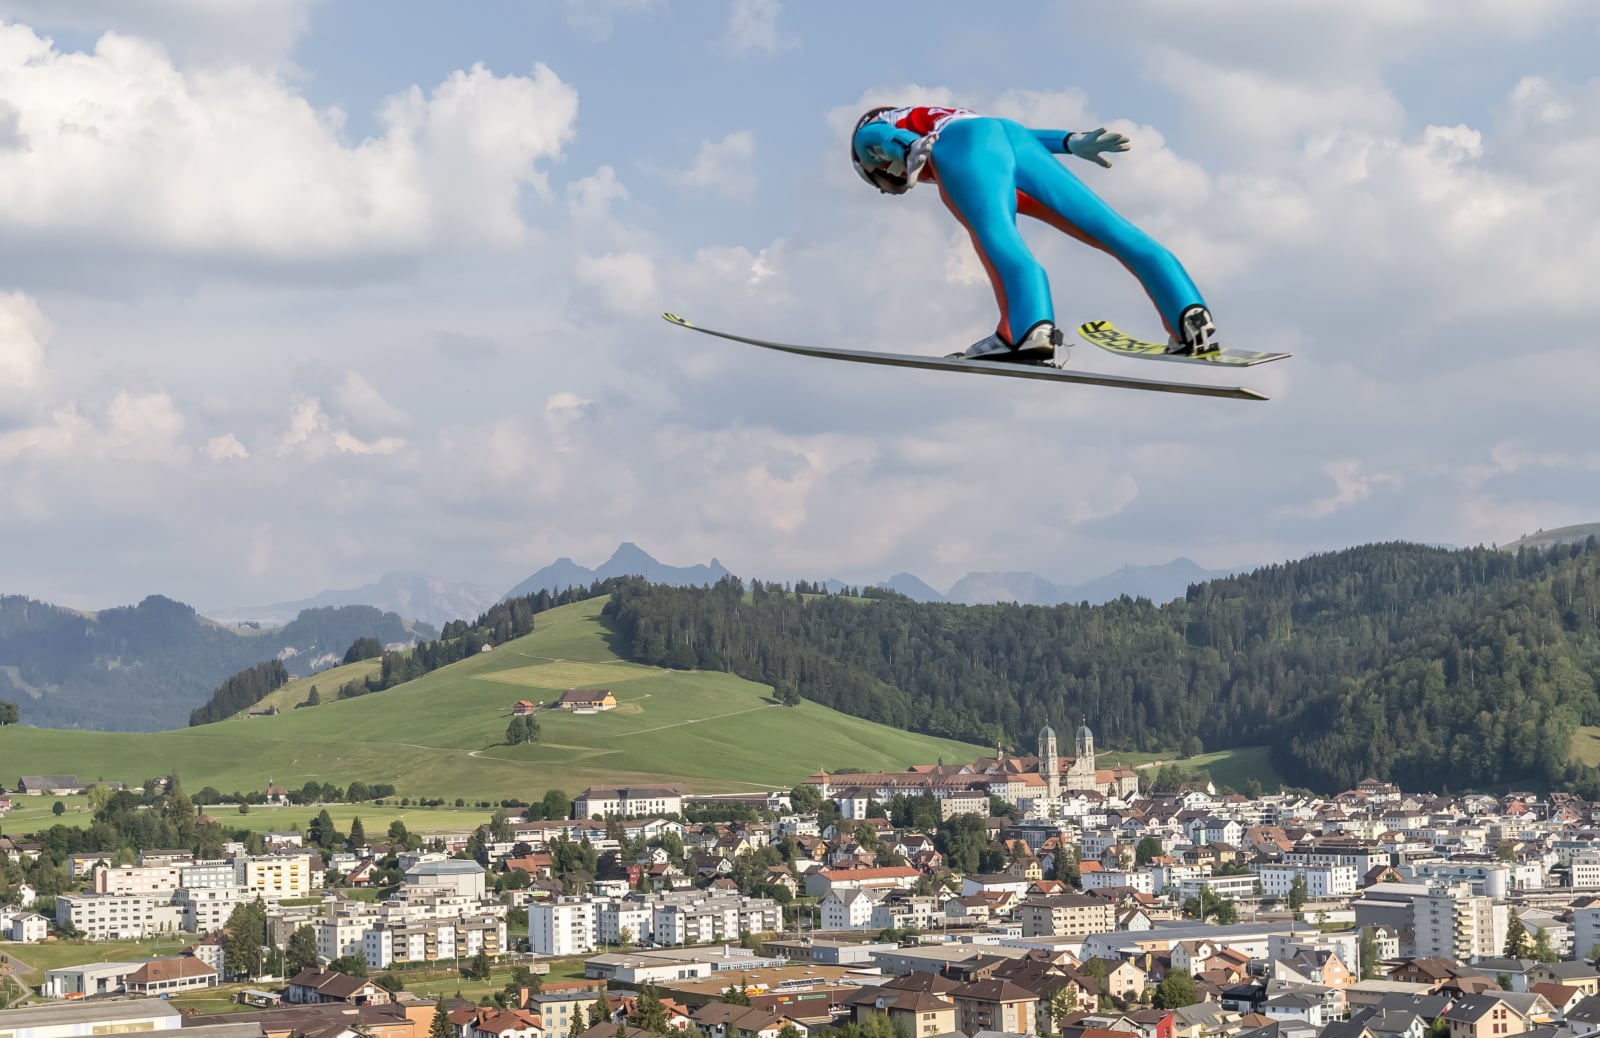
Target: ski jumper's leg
x=1052 y=193
x=977 y=175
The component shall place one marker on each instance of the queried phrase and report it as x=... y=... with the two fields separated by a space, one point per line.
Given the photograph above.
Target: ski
x=1039 y=372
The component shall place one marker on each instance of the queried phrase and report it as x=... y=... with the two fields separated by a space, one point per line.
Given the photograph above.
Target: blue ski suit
x=989 y=170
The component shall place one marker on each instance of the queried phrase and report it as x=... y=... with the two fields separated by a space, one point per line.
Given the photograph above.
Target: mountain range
x=430 y=600
x=415 y=596
x=145 y=667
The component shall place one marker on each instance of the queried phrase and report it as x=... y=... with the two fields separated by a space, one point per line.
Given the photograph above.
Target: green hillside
x=327 y=684
x=442 y=734
x=1550 y=538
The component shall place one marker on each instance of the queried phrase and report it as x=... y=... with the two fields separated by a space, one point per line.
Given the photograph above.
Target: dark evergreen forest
x=1438 y=669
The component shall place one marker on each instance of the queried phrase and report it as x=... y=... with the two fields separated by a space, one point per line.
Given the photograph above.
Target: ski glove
x=917 y=156
x=1093 y=144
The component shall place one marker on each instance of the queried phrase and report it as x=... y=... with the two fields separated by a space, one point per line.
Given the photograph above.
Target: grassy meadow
x=443 y=734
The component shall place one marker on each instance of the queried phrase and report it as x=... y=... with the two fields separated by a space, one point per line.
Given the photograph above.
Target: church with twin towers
x=1078 y=772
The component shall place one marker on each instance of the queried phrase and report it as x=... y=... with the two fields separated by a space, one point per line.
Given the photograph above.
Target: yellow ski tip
x=675 y=319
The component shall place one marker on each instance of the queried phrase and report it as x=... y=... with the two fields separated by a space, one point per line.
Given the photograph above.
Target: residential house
x=522 y=708
x=489 y=1022
x=587 y=699
x=1579 y=975
x=914 y=1008
x=721 y=1020
x=1483 y=1016
x=25 y=927
x=314 y=986
x=1295 y=1005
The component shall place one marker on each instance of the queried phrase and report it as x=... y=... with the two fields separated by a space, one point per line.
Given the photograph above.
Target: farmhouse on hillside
x=587 y=699
x=522 y=708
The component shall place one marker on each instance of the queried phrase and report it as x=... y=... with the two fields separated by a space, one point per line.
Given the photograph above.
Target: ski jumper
x=990 y=170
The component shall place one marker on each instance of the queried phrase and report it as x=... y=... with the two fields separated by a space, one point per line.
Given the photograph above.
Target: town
x=1035 y=894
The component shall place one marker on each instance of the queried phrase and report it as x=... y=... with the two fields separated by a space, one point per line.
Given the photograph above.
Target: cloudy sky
x=296 y=292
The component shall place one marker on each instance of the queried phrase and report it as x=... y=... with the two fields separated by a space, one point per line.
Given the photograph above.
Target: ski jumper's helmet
x=881 y=179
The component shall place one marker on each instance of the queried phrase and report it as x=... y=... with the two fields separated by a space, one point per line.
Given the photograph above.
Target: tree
x=1542 y=950
x=1516 y=937
x=302 y=951
x=517 y=732
x=441 y=1026
x=481 y=967
x=1367 y=953
x=350 y=965
x=363 y=649
x=58 y=809
x=10 y=713
x=358 y=833
x=1175 y=991
x=648 y=1012
x=599 y=1012
x=1297 y=893
x=735 y=996
x=1063 y=1003
x=390 y=982
x=1149 y=847
x=243 y=938
x=313 y=698
x=556 y=804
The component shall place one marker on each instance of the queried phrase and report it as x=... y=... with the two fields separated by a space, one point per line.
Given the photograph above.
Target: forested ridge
x=1438 y=669
x=145 y=667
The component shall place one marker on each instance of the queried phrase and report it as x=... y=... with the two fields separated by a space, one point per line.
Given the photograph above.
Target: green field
x=1226 y=767
x=442 y=735
x=54 y=954
x=1586 y=746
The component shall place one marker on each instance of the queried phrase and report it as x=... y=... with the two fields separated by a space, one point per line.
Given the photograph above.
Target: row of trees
x=9 y=712
x=313 y=792
x=1428 y=667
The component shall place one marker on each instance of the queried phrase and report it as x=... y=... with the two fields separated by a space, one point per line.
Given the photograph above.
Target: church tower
x=1086 y=744
x=1049 y=765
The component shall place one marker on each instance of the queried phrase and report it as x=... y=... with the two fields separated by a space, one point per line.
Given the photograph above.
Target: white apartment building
x=136 y=879
x=1320 y=880
x=1485 y=878
x=1170 y=877
x=1585 y=930
x=562 y=927
x=432 y=940
x=1139 y=879
x=1451 y=923
x=628 y=800
x=614 y=915
x=276 y=876
x=842 y=910
x=207 y=908
x=106 y=917
x=702 y=919
x=343 y=933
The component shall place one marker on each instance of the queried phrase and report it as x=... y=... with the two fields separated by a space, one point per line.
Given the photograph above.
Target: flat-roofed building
x=456 y=875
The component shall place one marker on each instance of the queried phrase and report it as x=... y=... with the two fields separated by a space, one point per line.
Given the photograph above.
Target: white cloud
x=753 y=26
x=624 y=281
x=724 y=166
x=23 y=334
x=590 y=198
x=1351 y=485
x=120 y=147
x=253 y=31
x=225 y=448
